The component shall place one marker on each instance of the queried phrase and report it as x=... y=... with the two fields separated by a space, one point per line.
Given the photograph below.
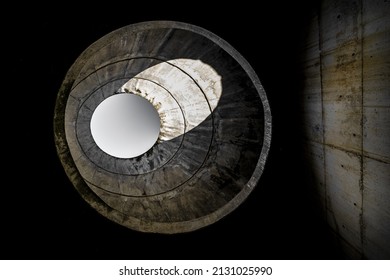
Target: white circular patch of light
x=125 y=125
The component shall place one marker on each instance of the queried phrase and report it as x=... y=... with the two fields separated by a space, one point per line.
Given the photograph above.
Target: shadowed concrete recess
x=215 y=127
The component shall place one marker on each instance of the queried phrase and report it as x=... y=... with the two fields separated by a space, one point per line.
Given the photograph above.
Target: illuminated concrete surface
x=346 y=119
x=215 y=127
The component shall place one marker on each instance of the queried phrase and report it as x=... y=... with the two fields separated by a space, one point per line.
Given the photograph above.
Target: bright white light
x=125 y=125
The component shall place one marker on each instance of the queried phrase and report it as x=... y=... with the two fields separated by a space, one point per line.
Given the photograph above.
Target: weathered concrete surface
x=215 y=134
x=376 y=129
x=345 y=101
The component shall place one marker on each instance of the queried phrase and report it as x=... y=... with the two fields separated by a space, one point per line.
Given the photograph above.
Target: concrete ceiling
x=215 y=127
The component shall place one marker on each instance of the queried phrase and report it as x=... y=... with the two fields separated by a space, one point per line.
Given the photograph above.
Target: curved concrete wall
x=346 y=119
x=215 y=127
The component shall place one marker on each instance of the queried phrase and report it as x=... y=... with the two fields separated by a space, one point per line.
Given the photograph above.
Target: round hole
x=125 y=125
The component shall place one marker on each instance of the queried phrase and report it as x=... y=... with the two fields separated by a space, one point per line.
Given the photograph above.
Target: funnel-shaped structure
x=215 y=127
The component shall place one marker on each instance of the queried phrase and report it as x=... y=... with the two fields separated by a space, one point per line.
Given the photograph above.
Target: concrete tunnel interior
x=324 y=192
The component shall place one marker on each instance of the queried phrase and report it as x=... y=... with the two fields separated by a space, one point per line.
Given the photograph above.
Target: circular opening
x=125 y=125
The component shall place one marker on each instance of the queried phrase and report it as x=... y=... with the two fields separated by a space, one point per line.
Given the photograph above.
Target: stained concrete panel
x=376 y=212
x=376 y=83
x=344 y=200
x=339 y=24
x=342 y=74
x=342 y=96
x=376 y=66
x=342 y=126
x=376 y=140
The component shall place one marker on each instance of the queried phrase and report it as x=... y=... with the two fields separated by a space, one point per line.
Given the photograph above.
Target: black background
x=45 y=218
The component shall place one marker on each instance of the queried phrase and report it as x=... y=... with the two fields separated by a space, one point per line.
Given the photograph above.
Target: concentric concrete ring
x=215 y=127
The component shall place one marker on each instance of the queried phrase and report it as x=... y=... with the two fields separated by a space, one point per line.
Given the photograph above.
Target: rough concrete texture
x=346 y=118
x=215 y=127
